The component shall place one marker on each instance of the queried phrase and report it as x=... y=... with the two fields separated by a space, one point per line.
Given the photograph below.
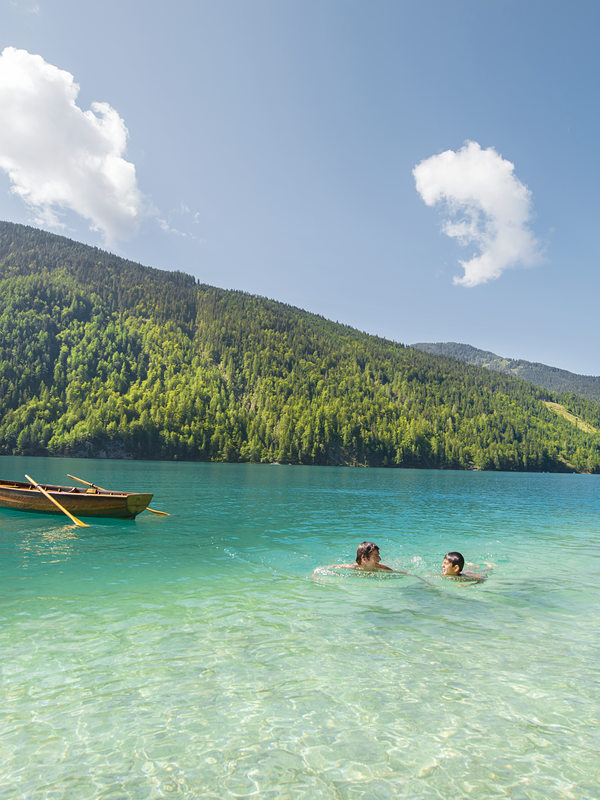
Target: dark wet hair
x=456 y=558
x=364 y=551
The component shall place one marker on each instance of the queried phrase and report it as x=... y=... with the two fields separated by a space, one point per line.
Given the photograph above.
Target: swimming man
x=368 y=560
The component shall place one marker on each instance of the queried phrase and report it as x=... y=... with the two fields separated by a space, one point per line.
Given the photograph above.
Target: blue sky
x=274 y=144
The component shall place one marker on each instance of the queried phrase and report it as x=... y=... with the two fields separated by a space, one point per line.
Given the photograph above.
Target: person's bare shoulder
x=335 y=566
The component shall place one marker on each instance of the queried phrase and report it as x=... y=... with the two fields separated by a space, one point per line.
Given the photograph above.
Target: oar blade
x=154 y=511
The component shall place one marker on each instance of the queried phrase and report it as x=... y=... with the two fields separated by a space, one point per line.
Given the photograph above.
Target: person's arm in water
x=469 y=577
x=486 y=569
x=385 y=568
x=364 y=568
x=379 y=567
x=325 y=570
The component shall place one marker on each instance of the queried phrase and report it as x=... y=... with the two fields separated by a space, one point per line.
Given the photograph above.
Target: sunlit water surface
x=197 y=654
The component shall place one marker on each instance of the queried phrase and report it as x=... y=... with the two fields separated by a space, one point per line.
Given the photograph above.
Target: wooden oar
x=57 y=504
x=95 y=486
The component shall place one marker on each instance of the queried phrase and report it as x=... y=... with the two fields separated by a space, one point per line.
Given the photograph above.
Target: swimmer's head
x=365 y=550
x=453 y=564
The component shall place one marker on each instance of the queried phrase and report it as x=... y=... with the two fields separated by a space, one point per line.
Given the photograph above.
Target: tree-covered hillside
x=103 y=357
x=557 y=380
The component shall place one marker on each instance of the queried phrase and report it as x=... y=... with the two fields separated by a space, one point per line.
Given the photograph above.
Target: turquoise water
x=198 y=655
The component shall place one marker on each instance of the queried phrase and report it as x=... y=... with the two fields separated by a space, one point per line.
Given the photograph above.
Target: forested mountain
x=557 y=380
x=100 y=356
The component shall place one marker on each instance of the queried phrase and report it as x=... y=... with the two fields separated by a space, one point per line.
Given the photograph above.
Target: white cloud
x=486 y=205
x=29 y=9
x=60 y=157
x=183 y=211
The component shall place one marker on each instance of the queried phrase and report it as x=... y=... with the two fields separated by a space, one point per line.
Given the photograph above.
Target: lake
x=199 y=655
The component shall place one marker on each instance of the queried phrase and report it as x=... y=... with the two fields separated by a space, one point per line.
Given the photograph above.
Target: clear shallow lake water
x=197 y=655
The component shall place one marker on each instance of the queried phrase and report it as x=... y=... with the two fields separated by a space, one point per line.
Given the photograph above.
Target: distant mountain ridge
x=552 y=378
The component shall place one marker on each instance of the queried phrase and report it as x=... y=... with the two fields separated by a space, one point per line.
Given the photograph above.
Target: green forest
x=102 y=357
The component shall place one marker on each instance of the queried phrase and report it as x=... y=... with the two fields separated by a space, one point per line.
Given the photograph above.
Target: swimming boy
x=452 y=568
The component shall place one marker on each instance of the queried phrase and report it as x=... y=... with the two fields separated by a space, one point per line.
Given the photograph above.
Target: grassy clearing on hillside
x=573 y=418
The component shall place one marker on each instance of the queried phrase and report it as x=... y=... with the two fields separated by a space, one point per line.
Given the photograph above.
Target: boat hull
x=79 y=502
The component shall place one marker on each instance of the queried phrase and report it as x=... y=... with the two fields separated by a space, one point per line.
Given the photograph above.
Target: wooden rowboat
x=92 y=502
